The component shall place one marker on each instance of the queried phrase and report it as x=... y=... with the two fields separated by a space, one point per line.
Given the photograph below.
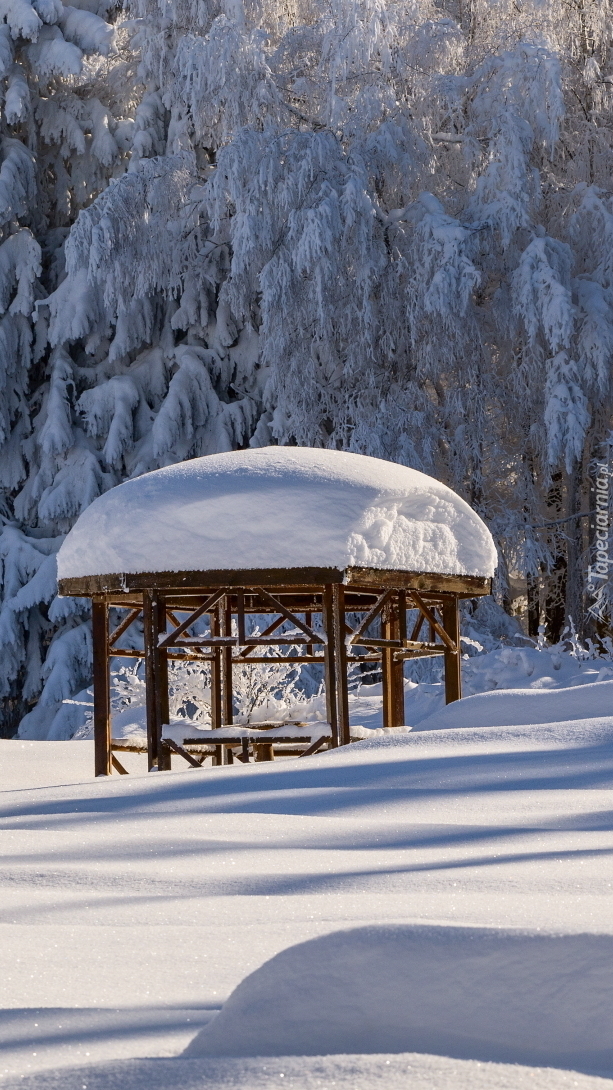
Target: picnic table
x=231 y=742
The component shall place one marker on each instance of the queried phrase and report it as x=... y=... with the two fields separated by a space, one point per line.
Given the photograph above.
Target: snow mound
x=472 y=993
x=516 y=707
x=279 y=507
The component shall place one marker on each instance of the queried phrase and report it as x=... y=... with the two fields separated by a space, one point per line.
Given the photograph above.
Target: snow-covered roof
x=279 y=507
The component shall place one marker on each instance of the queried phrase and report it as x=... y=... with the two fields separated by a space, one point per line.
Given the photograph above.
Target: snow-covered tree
x=381 y=227
x=66 y=92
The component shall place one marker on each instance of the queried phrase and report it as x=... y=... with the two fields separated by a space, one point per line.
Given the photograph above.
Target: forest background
x=381 y=227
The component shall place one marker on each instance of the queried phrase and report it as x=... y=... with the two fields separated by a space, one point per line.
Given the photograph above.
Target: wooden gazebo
x=232 y=508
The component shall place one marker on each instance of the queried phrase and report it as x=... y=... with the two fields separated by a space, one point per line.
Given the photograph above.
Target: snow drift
x=517 y=707
x=279 y=507
x=478 y=993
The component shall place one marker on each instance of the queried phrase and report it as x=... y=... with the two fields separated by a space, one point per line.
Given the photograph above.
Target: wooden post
x=154 y=622
x=226 y=666
x=216 y=706
x=453 y=663
x=392 y=669
x=330 y=663
x=164 y=753
x=340 y=656
x=102 y=695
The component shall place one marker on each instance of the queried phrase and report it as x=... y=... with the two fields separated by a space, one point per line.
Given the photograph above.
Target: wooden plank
x=453 y=662
x=117 y=765
x=263 y=751
x=102 y=695
x=180 y=656
x=469 y=585
x=125 y=582
x=366 y=641
x=222 y=739
x=279 y=658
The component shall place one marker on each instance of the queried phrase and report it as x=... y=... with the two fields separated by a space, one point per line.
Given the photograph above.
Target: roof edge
x=89 y=586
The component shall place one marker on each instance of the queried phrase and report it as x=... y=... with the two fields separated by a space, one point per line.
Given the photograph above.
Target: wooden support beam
x=370 y=616
x=340 y=656
x=393 y=678
x=244 y=754
x=453 y=660
x=102 y=694
x=199 y=582
x=156 y=679
x=308 y=620
x=216 y=678
x=176 y=748
x=317 y=744
x=240 y=617
x=178 y=656
x=226 y=663
x=117 y=765
x=330 y=664
x=417 y=627
x=163 y=685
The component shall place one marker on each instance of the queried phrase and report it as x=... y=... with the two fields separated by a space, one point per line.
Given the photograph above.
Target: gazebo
x=311 y=537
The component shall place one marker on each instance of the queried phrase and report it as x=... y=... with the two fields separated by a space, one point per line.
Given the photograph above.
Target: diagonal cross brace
x=125 y=624
x=370 y=616
x=168 y=641
x=438 y=628
x=314 y=637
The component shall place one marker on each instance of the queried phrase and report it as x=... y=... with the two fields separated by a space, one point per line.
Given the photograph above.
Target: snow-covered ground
x=131 y=908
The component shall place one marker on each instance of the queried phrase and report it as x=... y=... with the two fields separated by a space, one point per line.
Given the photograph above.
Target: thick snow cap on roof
x=279 y=507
